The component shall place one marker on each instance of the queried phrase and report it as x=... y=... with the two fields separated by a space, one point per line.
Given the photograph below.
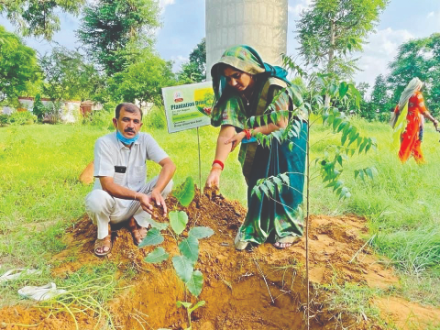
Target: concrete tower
x=261 y=24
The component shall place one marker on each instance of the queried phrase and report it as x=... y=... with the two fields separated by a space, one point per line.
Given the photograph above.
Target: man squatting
x=122 y=194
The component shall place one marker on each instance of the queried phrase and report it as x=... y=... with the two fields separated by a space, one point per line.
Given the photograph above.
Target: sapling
x=185 y=262
x=190 y=309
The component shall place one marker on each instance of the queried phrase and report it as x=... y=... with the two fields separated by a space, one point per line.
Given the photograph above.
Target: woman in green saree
x=245 y=86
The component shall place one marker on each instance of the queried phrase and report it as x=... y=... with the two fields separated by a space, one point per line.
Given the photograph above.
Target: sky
x=183 y=27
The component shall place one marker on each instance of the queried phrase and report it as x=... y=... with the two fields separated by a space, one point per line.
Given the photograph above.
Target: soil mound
x=264 y=288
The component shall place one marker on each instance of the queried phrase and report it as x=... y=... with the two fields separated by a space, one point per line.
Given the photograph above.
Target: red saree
x=410 y=144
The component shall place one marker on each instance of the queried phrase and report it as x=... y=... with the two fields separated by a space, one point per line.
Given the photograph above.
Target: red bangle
x=219 y=162
x=248 y=133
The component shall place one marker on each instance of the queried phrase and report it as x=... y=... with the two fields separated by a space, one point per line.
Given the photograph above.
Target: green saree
x=278 y=219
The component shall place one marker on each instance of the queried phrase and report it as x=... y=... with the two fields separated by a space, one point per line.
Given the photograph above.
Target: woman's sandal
x=286 y=242
x=239 y=244
x=101 y=244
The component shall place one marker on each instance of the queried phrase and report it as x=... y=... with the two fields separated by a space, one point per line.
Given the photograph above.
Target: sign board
x=188 y=106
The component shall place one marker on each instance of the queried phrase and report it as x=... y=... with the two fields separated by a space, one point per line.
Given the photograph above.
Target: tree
x=142 y=80
x=332 y=29
x=195 y=69
x=36 y=17
x=418 y=58
x=110 y=25
x=366 y=108
x=67 y=76
x=380 y=100
x=19 y=70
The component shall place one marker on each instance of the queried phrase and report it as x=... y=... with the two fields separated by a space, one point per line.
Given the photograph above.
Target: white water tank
x=261 y=24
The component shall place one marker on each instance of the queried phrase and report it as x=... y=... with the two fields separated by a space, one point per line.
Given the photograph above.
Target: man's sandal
x=101 y=244
x=286 y=242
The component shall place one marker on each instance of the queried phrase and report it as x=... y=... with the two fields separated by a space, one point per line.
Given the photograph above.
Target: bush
x=4 y=120
x=155 y=117
x=22 y=118
x=99 y=118
x=110 y=107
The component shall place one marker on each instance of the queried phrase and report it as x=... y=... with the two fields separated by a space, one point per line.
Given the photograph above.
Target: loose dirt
x=264 y=288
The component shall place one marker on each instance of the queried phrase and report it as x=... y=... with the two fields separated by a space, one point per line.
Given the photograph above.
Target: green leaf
x=184 y=304
x=339 y=159
x=158 y=225
x=189 y=247
x=183 y=267
x=199 y=304
x=195 y=284
x=178 y=221
x=201 y=232
x=158 y=255
x=336 y=122
x=369 y=172
x=153 y=238
x=252 y=121
x=285 y=178
x=271 y=187
x=273 y=117
x=362 y=174
x=185 y=192
x=257 y=191
x=353 y=137
x=278 y=183
x=343 y=89
x=265 y=190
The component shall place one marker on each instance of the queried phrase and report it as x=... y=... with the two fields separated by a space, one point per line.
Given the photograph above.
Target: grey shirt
x=110 y=152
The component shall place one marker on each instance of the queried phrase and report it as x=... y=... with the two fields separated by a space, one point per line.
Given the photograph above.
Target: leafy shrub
x=4 y=120
x=39 y=109
x=110 y=107
x=99 y=118
x=155 y=117
x=22 y=118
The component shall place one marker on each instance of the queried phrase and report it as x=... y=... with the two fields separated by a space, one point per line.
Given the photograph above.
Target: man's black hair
x=129 y=107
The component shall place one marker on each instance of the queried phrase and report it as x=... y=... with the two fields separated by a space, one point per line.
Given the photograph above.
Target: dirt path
x=260 y=289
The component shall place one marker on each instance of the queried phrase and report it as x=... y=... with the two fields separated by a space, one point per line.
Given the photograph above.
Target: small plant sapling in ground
x=190 y=309
x=185 y=262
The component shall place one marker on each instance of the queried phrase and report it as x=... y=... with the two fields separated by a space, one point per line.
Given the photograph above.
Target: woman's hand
x=214 y=176
x=235 y=140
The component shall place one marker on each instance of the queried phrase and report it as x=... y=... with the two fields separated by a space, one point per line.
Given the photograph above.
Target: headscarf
x=246 y=59
x=414 y=85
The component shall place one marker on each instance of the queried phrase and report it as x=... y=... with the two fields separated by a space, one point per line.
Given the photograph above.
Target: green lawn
x=39 y=189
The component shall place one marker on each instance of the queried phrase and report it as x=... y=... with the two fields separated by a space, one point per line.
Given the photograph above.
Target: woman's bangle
x=219 y=162
x=248 y=133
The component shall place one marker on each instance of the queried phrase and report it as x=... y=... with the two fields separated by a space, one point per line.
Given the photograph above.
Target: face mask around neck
x=124 y=140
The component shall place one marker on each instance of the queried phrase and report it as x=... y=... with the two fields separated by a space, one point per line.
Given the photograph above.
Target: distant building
x=261 y=24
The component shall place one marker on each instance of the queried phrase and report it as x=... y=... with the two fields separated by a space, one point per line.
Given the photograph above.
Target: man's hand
x=160 y=201
x=145 y=201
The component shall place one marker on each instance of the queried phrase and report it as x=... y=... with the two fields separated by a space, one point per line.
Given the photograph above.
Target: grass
x=41 y=195
x=352 y=299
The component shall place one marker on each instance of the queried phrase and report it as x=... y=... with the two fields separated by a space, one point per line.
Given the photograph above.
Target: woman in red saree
x=410 y=140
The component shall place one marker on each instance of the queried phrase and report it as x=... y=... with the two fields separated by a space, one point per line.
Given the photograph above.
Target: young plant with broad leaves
x=184 y=263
